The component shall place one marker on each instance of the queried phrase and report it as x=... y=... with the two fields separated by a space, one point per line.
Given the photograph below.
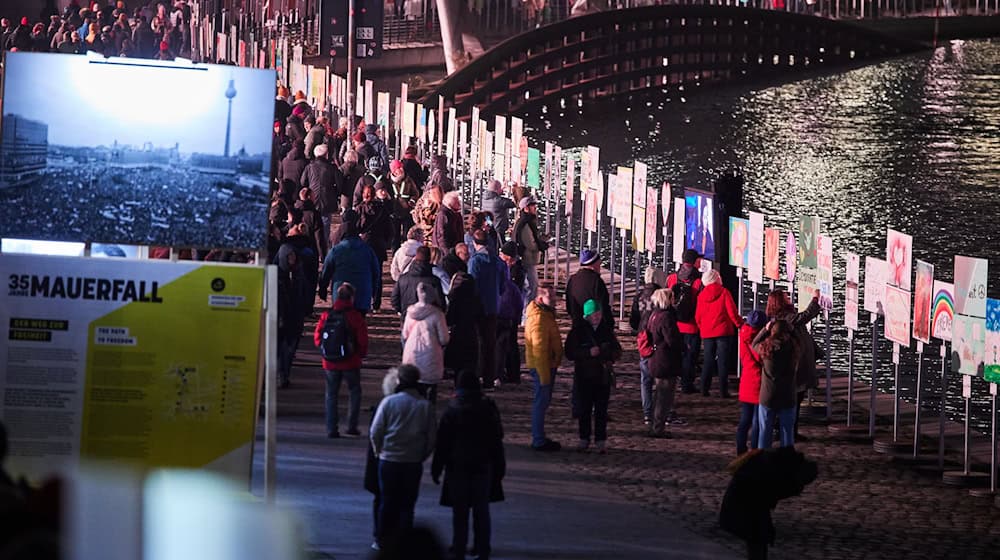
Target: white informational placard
x=824 y=271
x=678 y=234
x=623 y=198
x=570 y=184
x=499 y=134
x=853 y=267
x=639 y=184
x=970 y=286
x=897 y=315
x=875 y=273
x=101 y=362
x=755 y=246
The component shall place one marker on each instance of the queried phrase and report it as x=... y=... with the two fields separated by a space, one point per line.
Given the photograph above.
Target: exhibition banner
x=824 y=271
x=151 y=363
x=943 y=310
x=755 y=246
x=922 y=301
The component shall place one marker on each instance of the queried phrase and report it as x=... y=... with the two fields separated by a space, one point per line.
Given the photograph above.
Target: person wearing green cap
x=593 y=347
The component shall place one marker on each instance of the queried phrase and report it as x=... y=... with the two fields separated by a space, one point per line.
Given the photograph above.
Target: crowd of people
x=156 y=29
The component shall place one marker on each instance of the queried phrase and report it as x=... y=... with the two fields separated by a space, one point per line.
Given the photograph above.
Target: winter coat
x=294 y=297
x=448 y=228
x=292 y=166
x=589 y=369
x=312 y=219
x=777 y=383
x=414 y=171
x=490 y=273
x=469 y=442
x=375 y=225
x=500 y=206
x=324 y=180
x=315 y=137
x=402 y=258
x=464 y=313
x=443 y=277
x=751 y=364
x=355 y=322
x=543 y=350
x=642 y=307
x=665 y=363
x=528 y=240
x=716 y=314
x=404 y=293
x=282 y=110
x=351 y=260
x=453 y=264
x=690 y=275
x=492 y=241
x=511 y=301
x=439 y=174
x=405 y=194
x=805 y=376
x=379 y=147
x=425 y=334
x=404 y=429
x=583 y=285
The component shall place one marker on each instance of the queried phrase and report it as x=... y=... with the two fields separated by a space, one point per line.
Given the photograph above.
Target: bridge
x=622 y=51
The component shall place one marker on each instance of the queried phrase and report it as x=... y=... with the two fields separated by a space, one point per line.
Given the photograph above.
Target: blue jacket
x=351 y=260
x=490 y=273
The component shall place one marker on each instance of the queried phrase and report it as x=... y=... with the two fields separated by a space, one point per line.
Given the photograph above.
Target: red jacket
x=696 y=286
x=358 y=326
x=716 y=313
x=750 y=361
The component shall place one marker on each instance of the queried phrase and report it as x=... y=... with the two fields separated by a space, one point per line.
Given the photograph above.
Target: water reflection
x=911 y=143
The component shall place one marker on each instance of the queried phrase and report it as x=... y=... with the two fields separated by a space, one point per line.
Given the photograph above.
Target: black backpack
x=685 y=301
x=337 y=340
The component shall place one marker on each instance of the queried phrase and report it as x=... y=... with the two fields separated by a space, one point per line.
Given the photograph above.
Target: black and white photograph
x=137 y=152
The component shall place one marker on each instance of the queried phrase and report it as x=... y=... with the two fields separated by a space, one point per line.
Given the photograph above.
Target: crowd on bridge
x=155 y=29
x=464 y=286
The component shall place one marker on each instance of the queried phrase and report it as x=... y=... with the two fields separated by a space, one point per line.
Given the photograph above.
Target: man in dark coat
x=404 y=293
x=762 y=478
x=325 y=181
x=448 y=227
x=470 y=452
x=282 y=110
x=585 y=284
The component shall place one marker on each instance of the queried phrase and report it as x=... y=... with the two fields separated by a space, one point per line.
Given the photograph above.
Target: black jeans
x=692 y=346
x=593 y=398
x=508 y=355
x=470 y=491
x=717 y=352
x=488 y=349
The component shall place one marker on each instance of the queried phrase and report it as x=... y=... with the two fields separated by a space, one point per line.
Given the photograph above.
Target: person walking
x=665 y=362
x=403 y=256
x=402 y=437
x=470 y=453
x=543 y=352
x=686 y=285
x=405 y=193
x=404 y=293
x=375 y=229
x=425 y=335
x=490 y=274
x=325 y=181
x=780 y=354
x=342 y=337
x=642 y=308
x=749 y=395
x=593 y=347
x=717 y=320
x=530 y=243
x=351 y=260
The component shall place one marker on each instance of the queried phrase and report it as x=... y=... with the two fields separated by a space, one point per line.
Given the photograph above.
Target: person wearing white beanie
x=717 y=319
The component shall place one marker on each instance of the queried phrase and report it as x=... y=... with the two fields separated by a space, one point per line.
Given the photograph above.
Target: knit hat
x=757 y=319
x=359 y=137
x=24 y=21
x=711 y=276
x=588 y=256
x=509 y=248
x=690 y=256
x=395 y=166
x=526 y=202
x=590 y=307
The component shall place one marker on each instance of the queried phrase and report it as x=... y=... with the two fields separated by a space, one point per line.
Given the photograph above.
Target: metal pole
x=895 y=393
x=829 y=368
x=916 y=420
x=611 y=292
x=993 y=439
x=850 y=375
x=874 y=388
x=351 y=80
x=270 y=386
x=621 y=303
x=965 y=450
x=944 y=391
x=666 y=250
x=555 y=258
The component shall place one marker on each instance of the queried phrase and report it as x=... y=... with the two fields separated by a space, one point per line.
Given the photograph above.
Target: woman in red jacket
x=749 y=382
x=717 y=321
x=344 y=362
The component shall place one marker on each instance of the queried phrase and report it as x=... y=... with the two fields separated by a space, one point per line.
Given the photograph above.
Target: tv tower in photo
x=230 y=94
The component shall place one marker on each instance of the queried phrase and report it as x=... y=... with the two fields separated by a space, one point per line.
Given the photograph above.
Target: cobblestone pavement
x=863 y=505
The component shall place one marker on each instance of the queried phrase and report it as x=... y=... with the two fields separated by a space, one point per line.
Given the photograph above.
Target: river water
x=911 y=143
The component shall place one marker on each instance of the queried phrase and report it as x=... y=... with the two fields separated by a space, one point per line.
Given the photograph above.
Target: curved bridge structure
x=616 y=52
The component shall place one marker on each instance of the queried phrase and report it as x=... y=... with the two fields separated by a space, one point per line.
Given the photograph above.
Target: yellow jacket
x=542 y=343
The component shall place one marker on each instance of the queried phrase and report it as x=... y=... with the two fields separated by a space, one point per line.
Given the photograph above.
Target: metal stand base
x=925 y=459
x=964 y=479
x=855 y=433
x=982 y=493
x=933 y=468
x=891 y=447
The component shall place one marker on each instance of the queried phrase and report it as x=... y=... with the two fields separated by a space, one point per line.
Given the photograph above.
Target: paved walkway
x=644 y=499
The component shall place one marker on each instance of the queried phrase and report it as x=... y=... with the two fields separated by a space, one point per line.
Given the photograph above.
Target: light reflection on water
x=912 y=143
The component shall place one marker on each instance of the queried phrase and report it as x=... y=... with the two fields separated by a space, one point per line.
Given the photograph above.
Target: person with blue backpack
x=342 y=338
